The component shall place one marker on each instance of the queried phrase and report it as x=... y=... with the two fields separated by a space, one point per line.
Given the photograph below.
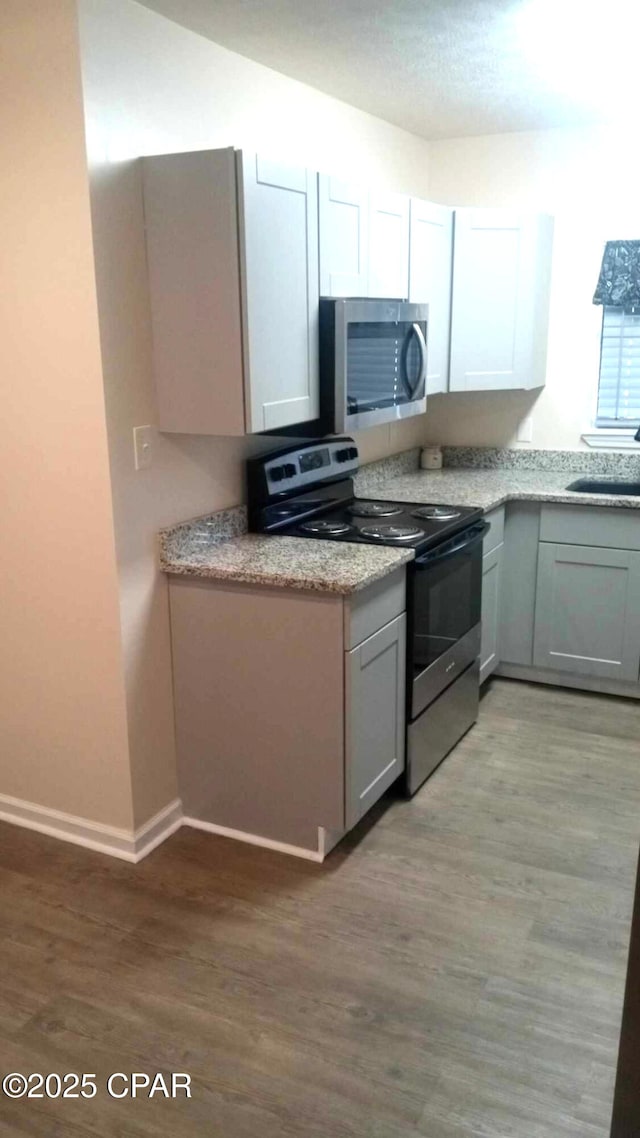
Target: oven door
x=381 y=361
x=445 y=596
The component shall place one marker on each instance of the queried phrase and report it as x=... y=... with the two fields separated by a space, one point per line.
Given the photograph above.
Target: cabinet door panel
x=375 y=717
x=279 y=227
x=588 y=611
x=191 y=228
x=344 y=237
x=430 y=264
x=388 y=246
x=489 y=649
x=500 y=300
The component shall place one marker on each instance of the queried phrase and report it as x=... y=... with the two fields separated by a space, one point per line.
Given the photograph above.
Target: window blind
x=619 y=386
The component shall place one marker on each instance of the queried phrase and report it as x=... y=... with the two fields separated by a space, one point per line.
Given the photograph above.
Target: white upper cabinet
x=233 y=271
x=344 y=237
x=430 y=265
x=500 y=304
x=388 y=245
x=279 y=244
x=364 y=241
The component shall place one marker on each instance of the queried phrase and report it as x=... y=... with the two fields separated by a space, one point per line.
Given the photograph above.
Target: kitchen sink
x=604 y=486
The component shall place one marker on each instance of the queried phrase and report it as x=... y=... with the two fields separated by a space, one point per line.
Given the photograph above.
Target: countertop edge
x=281 y=581
x=571 y=498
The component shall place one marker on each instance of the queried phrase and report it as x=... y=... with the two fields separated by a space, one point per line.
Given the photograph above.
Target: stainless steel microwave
x=373 y=361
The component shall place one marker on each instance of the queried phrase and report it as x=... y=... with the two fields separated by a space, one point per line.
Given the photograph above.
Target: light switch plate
x=144 y=441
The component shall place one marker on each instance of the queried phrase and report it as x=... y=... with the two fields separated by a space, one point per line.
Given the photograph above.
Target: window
x=619 y=384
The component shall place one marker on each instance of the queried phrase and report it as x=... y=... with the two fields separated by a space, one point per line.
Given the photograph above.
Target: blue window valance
x=619 y=282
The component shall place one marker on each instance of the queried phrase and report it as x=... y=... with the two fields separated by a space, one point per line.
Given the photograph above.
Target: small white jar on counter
x=431 y=458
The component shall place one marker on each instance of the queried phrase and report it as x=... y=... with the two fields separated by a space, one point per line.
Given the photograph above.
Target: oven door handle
x=472 y=537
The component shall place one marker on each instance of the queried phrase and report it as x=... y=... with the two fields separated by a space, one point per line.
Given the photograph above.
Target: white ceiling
x=439 y=68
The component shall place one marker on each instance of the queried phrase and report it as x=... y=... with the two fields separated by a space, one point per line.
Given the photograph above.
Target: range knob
x=343 y=455
x=277 y=473
x=353 y=452
x=289 y=469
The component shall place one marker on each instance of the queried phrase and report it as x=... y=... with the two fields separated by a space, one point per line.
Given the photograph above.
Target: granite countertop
x=214 y=548
x=487 y=488
x=219 y=548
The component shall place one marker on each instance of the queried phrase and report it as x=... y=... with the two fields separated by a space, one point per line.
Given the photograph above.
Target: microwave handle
x=415 y=392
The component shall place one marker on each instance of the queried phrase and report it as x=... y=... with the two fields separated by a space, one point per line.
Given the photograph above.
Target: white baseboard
x=157 y=829
x=126 y=844
x=254 y=839
x=133 y=845
x=328 y=839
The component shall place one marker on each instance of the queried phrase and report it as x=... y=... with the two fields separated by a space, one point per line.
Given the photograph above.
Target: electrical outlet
x=144 y=439
x=525 y=430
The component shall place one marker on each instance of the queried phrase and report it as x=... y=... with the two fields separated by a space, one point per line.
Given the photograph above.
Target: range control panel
x=308 y=463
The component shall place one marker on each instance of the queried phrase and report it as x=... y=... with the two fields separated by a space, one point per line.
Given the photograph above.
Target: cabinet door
x=430 y=263
x=588 y=611
x=191 y=229
x=278 y=213
x=388 y=246
x=344 y=237
x=489 y=648
x=375 y=717
x=500 y=300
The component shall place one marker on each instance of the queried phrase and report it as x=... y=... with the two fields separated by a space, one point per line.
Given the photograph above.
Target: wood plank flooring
x=455 y=969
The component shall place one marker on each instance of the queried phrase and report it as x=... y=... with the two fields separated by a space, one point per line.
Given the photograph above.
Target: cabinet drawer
x=373 y=607
x=604 y=526
x=495 y=536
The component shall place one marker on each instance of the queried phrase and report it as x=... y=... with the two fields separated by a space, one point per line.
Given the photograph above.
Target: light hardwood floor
x=454 y=971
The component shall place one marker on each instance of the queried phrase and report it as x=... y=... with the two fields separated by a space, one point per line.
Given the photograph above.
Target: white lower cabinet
x=489 y=648
x=375 y=717
x=492 y=551
x=588 y=611
x=570 y=596
x=289 y=707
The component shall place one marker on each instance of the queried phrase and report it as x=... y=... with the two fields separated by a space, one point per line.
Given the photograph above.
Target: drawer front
x=495 y=536
x=606 y=527
x=441 y=726
x=373 y=607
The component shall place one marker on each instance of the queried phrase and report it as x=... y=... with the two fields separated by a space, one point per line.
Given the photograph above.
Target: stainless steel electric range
x=307 y=491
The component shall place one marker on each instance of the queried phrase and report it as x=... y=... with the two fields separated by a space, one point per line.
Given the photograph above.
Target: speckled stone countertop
x=463 y=486
x=489 y=476
x=218 y=547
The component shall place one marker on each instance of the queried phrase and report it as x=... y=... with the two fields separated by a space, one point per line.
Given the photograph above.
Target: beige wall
x=153 y=87
x=589 y=180
x=62 y=711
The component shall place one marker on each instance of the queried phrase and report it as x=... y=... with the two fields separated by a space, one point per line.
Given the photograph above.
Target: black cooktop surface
x=413 y=525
